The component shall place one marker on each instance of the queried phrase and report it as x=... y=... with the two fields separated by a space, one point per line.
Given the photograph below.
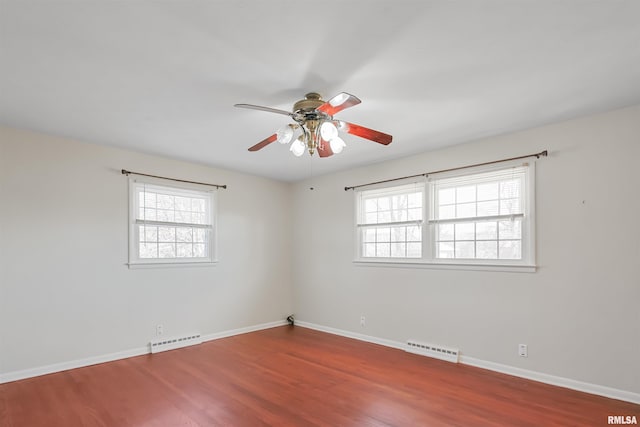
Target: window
x=479 y=218
x=390 y=222
x=170 y=225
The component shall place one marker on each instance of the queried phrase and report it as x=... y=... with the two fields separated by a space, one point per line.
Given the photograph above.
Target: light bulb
x=284 y=134
x=328 y=131
x=297 y=148
x=337 y=144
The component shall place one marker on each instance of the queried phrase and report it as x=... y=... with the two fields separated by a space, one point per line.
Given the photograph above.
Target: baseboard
x=81 y=363
x=72 y=364
x=354 y=335
x=599 y=390
x=246 y=330
x=596 y=389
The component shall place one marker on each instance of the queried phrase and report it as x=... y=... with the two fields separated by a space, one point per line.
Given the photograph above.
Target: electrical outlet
x=159 y=330
x=363 y=321
x=522 y=350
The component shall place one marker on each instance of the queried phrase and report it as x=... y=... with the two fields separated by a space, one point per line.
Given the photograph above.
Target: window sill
x=516 y=268
x=136 y=265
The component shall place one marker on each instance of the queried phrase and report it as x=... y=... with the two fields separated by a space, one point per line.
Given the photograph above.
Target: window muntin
x=390 y=222
x=170 y=224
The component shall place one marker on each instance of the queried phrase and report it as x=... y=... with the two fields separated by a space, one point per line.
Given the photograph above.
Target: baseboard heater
x=164 y=344
x=431 y=350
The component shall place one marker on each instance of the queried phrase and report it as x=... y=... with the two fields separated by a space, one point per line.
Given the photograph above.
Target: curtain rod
x=536 y=155
x=126 y=172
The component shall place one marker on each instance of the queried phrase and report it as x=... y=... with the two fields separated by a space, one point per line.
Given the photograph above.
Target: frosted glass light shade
x=337 y=144
x=284 y=134
x=297 y=148
x=328 y=131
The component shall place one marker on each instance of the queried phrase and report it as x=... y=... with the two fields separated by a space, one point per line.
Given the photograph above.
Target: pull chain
x=311 y=172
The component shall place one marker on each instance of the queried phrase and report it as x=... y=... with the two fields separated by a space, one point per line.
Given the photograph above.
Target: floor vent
x=439 y=352
x=164 y=344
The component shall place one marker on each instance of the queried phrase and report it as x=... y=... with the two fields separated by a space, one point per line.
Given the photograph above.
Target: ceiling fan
x=313 y=117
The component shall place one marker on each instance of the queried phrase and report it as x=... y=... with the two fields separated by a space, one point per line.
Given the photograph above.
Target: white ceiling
x=162 y=76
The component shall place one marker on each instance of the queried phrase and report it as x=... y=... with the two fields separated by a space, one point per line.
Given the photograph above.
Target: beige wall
x=65 y=291
x=579 y=313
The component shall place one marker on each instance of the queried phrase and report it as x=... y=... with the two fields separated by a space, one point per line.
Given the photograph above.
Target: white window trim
x=134 y=262
x=428 y=260
x=471 y=266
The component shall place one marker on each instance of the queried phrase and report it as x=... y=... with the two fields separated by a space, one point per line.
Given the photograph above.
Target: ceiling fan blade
x=261 y=108
x=264 y=143
x=366 y=133
x=338 y=103
x=324 y=149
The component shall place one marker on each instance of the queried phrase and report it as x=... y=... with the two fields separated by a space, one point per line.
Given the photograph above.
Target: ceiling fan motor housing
x=311 y=101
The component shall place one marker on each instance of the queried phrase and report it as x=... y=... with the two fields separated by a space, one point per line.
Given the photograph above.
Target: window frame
x=134 y=260
x=428 y=260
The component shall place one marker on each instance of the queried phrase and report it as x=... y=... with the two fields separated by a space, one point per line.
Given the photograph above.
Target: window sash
x=414 y=204
x=503 y=199
x=479 y=240
x=384 y=241
x=143 y=189
x=182 y=251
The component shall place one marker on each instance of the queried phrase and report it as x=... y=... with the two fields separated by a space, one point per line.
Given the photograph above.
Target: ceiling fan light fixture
x=337 y=144
x=298 y=147
x=285 y=134
x=328 y=131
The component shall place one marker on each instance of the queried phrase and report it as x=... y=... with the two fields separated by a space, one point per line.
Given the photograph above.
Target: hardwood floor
x=294 y=377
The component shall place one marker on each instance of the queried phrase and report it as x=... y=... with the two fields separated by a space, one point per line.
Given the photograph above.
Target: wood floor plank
x=292 y=376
